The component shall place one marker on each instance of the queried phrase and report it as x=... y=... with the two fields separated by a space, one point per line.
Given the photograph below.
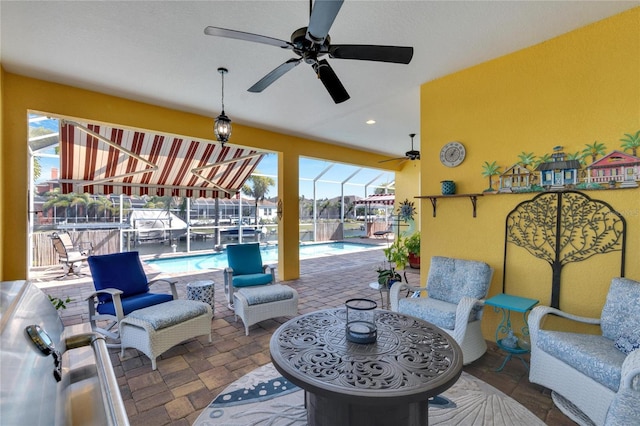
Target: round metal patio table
x=387 y=382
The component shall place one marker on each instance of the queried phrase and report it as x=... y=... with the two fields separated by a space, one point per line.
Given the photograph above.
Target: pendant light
x=222 y=124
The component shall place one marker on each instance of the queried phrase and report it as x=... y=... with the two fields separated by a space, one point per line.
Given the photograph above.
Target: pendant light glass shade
x=222 y=124
x=222 y=128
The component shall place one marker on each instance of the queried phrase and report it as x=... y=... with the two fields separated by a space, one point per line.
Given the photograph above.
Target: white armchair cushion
x=452 y=279
x=593 y=355
x=620 y=312
x=437 y=312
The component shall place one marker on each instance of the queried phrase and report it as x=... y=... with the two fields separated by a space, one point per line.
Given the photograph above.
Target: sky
x=328 y=185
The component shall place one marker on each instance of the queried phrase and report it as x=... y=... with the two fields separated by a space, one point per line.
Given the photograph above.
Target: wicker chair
x=245 y=269
x=251 y=290
x=456 y=290
x=121 y=288
x=594 y=378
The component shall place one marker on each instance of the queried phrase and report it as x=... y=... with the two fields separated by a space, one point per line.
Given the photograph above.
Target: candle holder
x=361 y=321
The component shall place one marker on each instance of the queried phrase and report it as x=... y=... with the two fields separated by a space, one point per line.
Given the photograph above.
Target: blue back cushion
x=245 y=258
x=122 y=271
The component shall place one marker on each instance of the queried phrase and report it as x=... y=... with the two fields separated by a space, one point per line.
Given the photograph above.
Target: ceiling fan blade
x=241 y=35
x=322 y=16
x=365 y=52
x=274 y=75
x=331 y=81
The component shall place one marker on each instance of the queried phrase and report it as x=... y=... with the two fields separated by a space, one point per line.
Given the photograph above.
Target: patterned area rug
x=264 y=397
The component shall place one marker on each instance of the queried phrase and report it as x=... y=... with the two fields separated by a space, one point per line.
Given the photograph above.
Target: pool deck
x=191 y=374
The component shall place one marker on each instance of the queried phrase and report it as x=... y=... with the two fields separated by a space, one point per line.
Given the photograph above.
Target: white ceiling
x=157 y=52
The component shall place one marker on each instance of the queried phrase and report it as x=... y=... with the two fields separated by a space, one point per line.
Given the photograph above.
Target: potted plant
x=397 y=256
x=412 y=245
x=59 y=303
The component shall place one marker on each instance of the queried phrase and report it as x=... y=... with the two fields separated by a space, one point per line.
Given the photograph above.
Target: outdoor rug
x=265 y=398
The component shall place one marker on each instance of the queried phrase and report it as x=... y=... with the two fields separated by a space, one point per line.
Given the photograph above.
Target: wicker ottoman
x=156 y=329
x=255 y=304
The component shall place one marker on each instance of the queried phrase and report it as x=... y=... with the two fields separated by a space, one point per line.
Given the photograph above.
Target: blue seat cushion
x=245 y=258
x=593 y=355
x=251 y=280
x=133 y=303
x=266 y=294
x=170 y=313
x=122 y=271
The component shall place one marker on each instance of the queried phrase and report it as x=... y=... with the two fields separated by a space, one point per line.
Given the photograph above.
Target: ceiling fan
x=312 y=42
x=412 y=154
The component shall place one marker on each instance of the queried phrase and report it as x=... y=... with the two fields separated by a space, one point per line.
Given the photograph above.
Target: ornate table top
x=412 y=360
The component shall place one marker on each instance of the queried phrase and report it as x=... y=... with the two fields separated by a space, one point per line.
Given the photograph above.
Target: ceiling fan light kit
x=222 y=123
x=311 y=43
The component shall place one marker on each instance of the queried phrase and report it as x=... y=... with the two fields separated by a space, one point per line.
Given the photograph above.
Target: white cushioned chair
x=456 y=291
x=599 y=374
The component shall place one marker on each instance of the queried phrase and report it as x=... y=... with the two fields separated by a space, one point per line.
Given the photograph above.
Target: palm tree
x=578 y=156
x=349 y=209
x=593 y=150
x=37 y=166
x=81 y=200
x=541 y=160
x=631 y=142
x=526 y=159
x=490 y=170
x=100 y=205
x=258 y=189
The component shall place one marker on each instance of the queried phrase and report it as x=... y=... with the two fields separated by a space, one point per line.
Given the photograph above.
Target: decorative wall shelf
x=434 y=200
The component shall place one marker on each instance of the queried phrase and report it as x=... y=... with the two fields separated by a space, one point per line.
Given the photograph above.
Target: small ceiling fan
x=412 y=154
x=312 y=42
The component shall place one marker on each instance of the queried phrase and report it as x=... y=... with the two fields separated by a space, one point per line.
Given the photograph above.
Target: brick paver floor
x=191 y=374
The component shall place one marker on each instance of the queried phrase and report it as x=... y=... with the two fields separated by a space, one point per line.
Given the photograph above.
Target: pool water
x=200 y=262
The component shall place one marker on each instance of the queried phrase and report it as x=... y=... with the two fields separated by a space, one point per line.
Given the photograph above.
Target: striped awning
x=101 y=159
x=378 y=199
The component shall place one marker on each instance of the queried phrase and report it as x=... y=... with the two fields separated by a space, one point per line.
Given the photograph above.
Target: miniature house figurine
x=559 y=173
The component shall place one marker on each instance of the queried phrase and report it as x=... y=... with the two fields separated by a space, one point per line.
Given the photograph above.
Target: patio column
x=289 y=223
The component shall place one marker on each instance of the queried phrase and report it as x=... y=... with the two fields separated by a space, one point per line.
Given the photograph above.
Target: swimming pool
x=200 y=262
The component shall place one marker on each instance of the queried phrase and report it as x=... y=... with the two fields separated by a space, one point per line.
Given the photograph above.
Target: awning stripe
x=117 y=160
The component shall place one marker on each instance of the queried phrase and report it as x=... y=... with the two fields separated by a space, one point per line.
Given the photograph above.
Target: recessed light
x=371 y=121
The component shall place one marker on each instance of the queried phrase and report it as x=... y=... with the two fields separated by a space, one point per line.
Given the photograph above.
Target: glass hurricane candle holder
x=361 y=321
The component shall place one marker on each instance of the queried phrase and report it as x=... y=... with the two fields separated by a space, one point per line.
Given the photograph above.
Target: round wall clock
x=452 y=154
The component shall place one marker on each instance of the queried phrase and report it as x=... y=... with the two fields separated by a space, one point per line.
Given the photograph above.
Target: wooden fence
x=104 y=241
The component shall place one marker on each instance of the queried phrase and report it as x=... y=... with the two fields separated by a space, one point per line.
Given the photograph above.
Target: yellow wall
x=21 y=94
x=407 y=186
x=1 y=170
x=581 y=87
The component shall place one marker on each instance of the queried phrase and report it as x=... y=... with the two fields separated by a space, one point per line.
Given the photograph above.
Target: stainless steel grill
x=65 y=377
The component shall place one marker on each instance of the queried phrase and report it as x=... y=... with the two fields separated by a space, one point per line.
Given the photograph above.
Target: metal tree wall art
x=564 y=227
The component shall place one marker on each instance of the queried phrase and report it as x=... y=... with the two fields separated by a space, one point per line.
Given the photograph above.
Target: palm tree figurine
x=594 y=149
x=490 y=170
x=631 y=142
